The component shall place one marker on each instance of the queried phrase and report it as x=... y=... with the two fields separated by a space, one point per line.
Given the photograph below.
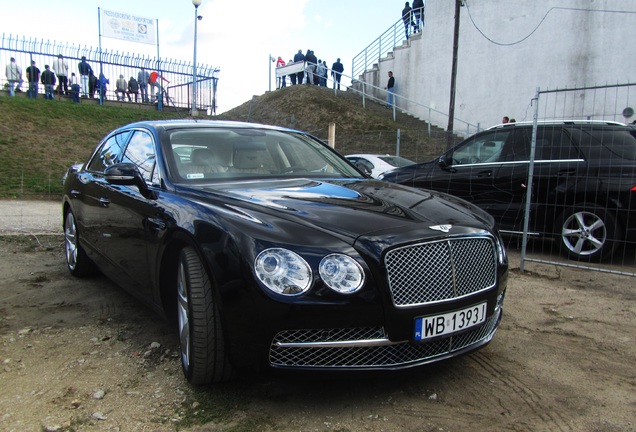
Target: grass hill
x=359 y=129
x=40 y=139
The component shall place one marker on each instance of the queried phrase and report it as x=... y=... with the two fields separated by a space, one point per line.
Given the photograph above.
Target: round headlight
x=341 y=273
x=283 y=271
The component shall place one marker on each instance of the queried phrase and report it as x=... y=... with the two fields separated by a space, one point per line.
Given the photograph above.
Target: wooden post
x=331 y=140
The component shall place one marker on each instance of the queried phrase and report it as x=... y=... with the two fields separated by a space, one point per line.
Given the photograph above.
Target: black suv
x=583 y=182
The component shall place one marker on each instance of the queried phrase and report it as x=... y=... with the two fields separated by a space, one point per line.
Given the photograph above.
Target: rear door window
x=554 y=144
x=621 y=143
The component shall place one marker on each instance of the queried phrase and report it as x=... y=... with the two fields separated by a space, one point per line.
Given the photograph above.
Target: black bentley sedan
x=268 y=249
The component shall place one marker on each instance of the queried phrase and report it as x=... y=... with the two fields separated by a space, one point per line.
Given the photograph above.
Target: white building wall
x=526 y=44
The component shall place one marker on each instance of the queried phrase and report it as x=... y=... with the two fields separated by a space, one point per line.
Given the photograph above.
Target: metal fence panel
x=586 y=212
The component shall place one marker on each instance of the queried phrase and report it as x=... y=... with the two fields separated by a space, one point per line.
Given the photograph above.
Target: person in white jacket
x=121 y=86
x=60 y=66
x=14 y=75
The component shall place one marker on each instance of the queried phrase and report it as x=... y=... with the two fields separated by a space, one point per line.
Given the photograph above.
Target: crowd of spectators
x=59 y=79
x=314 y=71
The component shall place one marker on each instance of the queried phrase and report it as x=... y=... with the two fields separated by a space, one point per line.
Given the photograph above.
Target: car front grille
x=441 y=270
x=368 y=347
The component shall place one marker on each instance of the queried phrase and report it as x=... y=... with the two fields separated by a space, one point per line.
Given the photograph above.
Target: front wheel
x=589 y=233
x=202 y=347
x=79 y=264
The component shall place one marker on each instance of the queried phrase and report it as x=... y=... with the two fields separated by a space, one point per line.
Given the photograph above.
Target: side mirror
x=363 y=168
x=127 y=174
x=444 y=161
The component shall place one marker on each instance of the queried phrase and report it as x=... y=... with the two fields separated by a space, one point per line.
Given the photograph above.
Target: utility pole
x=451 y=107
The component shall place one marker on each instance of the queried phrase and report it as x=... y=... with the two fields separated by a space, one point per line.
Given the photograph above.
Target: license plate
x=444 y=324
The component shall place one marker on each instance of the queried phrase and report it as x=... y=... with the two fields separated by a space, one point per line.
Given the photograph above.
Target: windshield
x=231 y=153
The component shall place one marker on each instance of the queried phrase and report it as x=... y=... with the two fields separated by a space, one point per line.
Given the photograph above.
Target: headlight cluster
x=341 y=273
x=286 y=272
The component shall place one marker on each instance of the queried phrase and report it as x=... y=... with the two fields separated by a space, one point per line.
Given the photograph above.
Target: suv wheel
x=588 y=233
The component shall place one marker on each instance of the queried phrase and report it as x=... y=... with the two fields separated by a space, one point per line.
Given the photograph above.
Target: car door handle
x=105 y=202
x=75 y=193
x=566 y=172
x=484 y=174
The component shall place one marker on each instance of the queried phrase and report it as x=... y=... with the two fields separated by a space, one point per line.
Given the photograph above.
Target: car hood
x=406 y=175
x=350 y=208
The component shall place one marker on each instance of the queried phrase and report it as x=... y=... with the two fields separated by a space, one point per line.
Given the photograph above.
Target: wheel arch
x=167 y=274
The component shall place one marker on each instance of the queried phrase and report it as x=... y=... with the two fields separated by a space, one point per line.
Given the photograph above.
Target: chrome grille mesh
x=442 y=270
x=330 y=335
x=398 y=354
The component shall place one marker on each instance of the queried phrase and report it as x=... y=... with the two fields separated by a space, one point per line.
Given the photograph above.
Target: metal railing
x=385 y=43
x=371 y=92
x=113 y=64
x=400 y=101
x=367 y=61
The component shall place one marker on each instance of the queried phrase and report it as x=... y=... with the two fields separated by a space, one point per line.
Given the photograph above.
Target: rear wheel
x=79 y=264
x=589 y=233
x=202 y=347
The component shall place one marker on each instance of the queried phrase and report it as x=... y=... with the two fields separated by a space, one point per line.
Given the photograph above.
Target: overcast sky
x=237 y=36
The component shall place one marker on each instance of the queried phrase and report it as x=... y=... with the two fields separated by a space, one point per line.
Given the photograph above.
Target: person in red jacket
x=282 y=80
x=154 y=82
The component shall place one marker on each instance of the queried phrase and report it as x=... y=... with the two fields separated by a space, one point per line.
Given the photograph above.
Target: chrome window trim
x=542 y=161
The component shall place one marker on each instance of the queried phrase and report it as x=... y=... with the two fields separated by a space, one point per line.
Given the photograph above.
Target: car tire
x=201 y=343
x=79 y=264
x=588 y=233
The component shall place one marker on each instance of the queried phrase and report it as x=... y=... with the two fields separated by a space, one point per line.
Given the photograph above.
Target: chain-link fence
x=581 y=187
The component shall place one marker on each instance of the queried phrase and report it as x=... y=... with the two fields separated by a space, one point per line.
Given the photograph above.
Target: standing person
x=102 y=83
x=418 y=12
x=505 y=119
x=389 y=88
x=14 y=75
x=61 y=70
x=75 y=87
x=85 y=71
x=48 y=79
x=336 y=72
x=320 y=73
x=311 y=61
x=33 y=75
x=299 y=57
x=133 y=88
x=406 y=18
x=281 y=81
x=143 y=78
x=292 y=76
x=325 y=74
x=121 y=86
x=92 y=84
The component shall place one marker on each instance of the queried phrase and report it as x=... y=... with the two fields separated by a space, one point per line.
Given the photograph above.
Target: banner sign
x=128 y=27
x=290 y=69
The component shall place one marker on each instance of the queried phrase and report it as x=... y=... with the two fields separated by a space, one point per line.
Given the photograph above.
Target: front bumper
x=371 y=349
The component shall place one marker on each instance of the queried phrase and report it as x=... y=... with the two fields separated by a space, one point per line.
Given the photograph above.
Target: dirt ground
x=82 y=355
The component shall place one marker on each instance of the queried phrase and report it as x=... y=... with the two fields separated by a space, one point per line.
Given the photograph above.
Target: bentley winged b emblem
x=442 y=228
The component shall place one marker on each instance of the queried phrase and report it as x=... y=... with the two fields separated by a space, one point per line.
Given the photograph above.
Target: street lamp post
x=194 y=112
